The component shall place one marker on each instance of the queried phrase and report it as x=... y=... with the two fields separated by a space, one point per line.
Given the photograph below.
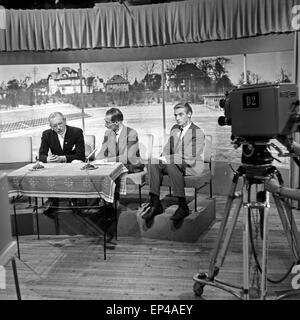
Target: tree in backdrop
x=251 y=78
x=284 y=76
x=149 y=67
x=13 y=87
x=125 y=72
x=13 y=84
x=220 y=73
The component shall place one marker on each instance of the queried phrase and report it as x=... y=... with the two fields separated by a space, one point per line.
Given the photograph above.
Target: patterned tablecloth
x=68 y=180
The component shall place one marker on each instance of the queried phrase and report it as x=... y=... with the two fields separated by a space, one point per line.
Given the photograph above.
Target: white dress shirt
x=118 y=132
x=61 y=138
x=184 y=131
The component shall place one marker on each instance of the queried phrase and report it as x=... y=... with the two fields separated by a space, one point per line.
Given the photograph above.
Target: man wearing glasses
x=66 y=144
x=120 y=143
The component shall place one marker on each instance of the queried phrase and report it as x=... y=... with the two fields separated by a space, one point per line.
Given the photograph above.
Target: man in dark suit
x=182 y=155
x=65 y=143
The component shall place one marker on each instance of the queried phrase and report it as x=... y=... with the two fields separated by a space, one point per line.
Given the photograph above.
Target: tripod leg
x=263 y=289
x=246 y=255
x=290 y=231
x=246 y=233
x=229 y=232
x=212 y=266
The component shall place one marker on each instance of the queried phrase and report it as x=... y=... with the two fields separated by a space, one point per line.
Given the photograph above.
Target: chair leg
x=210 y=189
x=195 y=199
x=29 y=201
x=170 y=191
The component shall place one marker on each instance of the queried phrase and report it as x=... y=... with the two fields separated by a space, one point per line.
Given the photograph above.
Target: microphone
x=91 y=154
x=89 y=166
x=37 y=165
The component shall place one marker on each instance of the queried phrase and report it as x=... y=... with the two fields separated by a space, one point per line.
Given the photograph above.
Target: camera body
x=264 y=111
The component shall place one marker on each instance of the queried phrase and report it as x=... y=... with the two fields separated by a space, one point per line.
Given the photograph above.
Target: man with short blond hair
x=181 y=156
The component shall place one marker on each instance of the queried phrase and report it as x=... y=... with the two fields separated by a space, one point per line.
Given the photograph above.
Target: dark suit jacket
x=73 y=144
x=189 y=151
x=125 y=151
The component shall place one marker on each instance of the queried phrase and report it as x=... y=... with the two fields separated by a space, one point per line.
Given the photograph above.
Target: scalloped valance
x=112 y=26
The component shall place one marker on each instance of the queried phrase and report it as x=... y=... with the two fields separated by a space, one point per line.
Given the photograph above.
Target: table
x=67 y=180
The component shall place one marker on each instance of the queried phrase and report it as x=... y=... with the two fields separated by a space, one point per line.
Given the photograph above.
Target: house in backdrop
x=66 y=81
x=95 y=84
x=185 y=77
x=213 y=99
x=117 y=84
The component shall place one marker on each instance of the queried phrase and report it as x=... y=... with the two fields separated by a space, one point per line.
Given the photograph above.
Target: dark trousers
x=175 y=173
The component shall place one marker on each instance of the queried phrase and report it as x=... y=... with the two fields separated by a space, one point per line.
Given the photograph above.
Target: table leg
x=16 y=226
x=105 y=228
x=56 y=217
x=37 y=217
x=116 y=218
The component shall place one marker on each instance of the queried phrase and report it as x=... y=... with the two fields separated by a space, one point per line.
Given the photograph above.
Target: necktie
x=179 y=139
x=117 y=147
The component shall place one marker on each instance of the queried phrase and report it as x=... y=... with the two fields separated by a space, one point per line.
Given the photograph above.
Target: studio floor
x=72 y=267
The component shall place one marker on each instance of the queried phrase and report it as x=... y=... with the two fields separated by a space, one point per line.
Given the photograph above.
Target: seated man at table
x=120 y=143
x=65 y=143
x=181 y=156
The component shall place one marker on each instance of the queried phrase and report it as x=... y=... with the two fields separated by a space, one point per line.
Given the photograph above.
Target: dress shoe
x=110 y=232
x=180 y=213
x=153 y=211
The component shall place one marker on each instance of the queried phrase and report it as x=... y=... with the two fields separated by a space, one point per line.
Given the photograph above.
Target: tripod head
x=257 y=174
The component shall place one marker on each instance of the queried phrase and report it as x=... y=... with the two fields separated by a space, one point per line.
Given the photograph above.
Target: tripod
x=251 y=175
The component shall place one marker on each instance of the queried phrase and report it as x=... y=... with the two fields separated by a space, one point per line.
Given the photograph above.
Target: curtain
x=112 y=26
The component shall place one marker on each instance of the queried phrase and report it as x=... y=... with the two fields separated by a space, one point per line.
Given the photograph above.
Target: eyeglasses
x=109 y=123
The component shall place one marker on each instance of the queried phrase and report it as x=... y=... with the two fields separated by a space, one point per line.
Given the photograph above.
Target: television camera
x=258 y=113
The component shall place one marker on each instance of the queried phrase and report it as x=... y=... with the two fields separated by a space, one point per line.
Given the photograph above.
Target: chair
x=139 y=178
x=15 y=152
x=90 y=143
x=199 y=181
x=8 y=248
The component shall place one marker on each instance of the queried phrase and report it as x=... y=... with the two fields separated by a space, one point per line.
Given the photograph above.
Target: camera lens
x=222 y=103
x=222 y=121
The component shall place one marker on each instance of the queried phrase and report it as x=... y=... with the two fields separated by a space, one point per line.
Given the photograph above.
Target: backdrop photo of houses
x=83 y=92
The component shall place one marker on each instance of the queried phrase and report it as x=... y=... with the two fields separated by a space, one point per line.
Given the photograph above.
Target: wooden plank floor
x=72 y=267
